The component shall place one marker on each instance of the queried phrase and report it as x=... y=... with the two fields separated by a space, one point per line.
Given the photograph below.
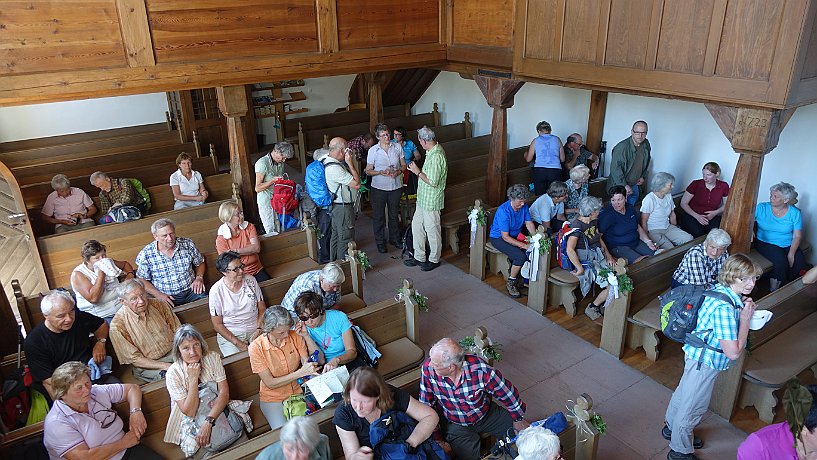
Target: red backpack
x=284 y=198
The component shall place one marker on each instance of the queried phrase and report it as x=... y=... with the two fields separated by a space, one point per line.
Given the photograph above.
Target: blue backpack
x=388 y=436
x=315 y=180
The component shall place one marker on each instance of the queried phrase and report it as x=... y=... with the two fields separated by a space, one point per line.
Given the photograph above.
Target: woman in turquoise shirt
x=778 y=231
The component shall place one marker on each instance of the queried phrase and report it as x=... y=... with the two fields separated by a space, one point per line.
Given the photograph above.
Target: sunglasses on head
x=312 y=316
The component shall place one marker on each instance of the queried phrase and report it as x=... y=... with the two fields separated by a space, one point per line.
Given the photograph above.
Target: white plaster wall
x=58 y=118
x=683 y=135
x=323 y=95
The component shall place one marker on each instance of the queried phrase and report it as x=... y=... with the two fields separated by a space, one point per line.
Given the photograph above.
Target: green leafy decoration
x=598 y=423
x=316 y=230
x=491 y=351
x=544 y=244
x=796 y=403
x=363 y=260
x=419 y=299
x=625 y=283
x=482 y=216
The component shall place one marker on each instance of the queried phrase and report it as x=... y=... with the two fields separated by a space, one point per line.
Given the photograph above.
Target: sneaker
x=428 y=266
x=512 y=289
x=592 y=312
x=412 y=262
x=697 y=442
x=672 y=455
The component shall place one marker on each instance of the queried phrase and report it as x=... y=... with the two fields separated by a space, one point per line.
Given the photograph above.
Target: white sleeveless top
x=108 y=304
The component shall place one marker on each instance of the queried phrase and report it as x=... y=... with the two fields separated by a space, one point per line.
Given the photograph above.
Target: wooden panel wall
x=372 y=23
x=733 y=51
x=480 y=32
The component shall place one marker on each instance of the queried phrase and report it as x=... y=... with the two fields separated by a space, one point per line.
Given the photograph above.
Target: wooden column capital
x=499 y=92
x=232 y=101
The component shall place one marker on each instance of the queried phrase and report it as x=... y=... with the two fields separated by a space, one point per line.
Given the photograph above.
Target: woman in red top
x=703 y=202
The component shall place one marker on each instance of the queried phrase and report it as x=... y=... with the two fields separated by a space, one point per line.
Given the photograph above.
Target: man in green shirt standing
x=631 y=159
x=425 y=225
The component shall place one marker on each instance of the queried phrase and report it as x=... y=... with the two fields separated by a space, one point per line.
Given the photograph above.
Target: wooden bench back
x=34 y=195
x=789 y=304
x=467 y=147
x=467 y=169
x=43 y=155
x=87 y=165
x=60 y=253
x=314 y=139
x=219 y=187
x=88 y=136
x=445 y=133
x=653 y=276
x=330 y=120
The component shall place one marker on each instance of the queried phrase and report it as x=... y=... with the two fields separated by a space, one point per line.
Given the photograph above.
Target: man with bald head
x=631 y=158
x=576 y=153
x=343 y=182
x=472 y=397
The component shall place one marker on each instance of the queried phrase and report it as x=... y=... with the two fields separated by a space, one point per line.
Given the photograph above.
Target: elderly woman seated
x=549 y=209
x=368 y=397
x=280 y=357
x=325 y=282
x=509 y=219
x=779 y=230
x=577 y=187
x=588 y=253
x=67 y=207
x=537 y=443
x=118 y=192
x=703 y=201
x=95 y=280
x=300 y=439
x=331 y=331
x=187 y=185
x=83 y=424
x=236 y=305
x=236 y=234
x=658 y=214
x=199 y=393
x=703 y=262
x=623 y=235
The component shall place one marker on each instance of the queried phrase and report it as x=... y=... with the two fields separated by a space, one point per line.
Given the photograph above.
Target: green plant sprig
x=625 y=283
x=482 y=216
x=492 y=351
x=598 y=423
x=419 y=299
x=363 y=260
x=544 y=244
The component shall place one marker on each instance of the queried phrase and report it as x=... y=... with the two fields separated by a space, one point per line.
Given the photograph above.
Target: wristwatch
x=135 y=409
x=210 y=420
x=102 y=340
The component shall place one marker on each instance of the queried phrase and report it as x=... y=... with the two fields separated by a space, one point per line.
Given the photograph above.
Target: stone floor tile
x=612 y=448
x=601 y=376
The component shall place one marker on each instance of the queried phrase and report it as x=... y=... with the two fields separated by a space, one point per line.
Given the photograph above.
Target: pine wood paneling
x=484 y=23
x=372 y=23
x=581 y=32
x=543 y=30
x=628 y=33
x=213 y=29
x=749 y=40
x=810 y=65
x=38 y=36
x=678 y=49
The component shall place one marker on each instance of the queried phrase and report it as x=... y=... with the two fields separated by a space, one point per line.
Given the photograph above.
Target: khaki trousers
x=425 y=226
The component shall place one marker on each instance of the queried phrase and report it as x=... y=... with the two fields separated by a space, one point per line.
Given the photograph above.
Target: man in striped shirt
x=463 y=387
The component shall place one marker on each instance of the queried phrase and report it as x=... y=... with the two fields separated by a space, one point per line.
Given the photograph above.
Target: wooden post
x=586 y=444
x=412 y=311
x=499 y=93
x=727 y=385
x=538 y=290
x=374 y=88
x=232 y=102
x=753 y=133
x=595 y=121
x=614 y=327
x=301 y=147
x=311 y=237
x=357 y=270
x=435 y=113
x=477 y=254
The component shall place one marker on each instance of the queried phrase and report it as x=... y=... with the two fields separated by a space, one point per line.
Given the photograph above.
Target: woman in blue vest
x=547 y=155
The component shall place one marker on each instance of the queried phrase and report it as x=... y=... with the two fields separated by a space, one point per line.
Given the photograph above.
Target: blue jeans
x=186 y=296
x=634 y=197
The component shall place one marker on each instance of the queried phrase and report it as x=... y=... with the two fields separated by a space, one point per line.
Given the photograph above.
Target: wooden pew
x=779 y=351
x=34 y=195
x=60 y=253
x=342 y=118
x=26 y=175
x=152 y=129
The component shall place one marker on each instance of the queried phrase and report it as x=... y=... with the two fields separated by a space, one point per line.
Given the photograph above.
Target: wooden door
x=200 y=114
x=21 y=259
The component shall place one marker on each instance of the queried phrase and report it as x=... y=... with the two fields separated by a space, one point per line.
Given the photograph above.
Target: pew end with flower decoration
x=614 y=328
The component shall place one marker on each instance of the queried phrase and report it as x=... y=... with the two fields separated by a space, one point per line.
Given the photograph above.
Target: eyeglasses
x=312 y=316
x=398 y=134
x=383 y=135
x=108 y=419
x=236 y=268
x=640 y=132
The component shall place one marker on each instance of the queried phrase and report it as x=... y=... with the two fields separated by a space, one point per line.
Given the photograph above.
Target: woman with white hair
x=577 y=188
x=658 y=214
x=588 y=252
x=269 y=169
x=68 y=208
x=703 y=262
x=236 y=234
x=280 y=357
x=325 y=282
x=537 y=443
x=778 y=232
x=300 y=439
x=510 y=218
x=236 y=305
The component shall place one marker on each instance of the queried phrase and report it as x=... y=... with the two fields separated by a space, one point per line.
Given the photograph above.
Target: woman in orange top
x=236 y=234
x=279 y=357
